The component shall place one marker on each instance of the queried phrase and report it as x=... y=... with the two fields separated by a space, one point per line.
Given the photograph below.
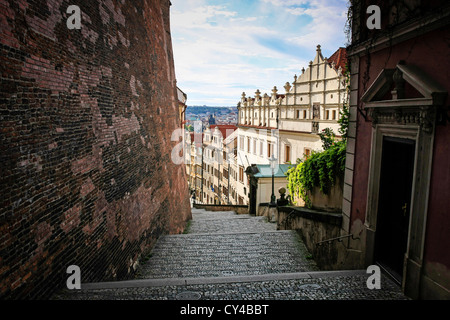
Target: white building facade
x=287 y=125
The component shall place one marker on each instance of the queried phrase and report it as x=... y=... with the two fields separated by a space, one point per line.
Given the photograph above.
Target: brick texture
x=86 y=176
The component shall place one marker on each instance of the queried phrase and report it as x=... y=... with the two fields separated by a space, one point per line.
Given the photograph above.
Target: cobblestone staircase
x=224 y=244
x=223 y=255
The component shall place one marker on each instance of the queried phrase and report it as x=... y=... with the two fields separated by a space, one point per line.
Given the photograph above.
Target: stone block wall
x=315 y=227
x=87 y=116
x=239 y=209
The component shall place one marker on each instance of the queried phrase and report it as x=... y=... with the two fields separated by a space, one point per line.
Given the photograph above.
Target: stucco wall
x=425 y=52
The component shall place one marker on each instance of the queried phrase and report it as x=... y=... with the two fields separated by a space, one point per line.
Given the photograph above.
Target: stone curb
x=214 y=280
x=213 y=234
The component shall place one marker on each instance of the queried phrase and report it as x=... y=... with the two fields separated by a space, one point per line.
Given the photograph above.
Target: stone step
x=216 y=255
x=231 y=257
x=140 y=283
x=230 y=225
x=321 y=285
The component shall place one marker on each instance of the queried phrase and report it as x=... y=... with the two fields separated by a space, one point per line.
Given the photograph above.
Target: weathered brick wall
x=86 y=176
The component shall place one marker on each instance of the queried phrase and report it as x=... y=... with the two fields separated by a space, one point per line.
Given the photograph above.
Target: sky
x=223 y=48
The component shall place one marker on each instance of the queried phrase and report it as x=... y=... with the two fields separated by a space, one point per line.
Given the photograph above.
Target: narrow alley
x=225 y=256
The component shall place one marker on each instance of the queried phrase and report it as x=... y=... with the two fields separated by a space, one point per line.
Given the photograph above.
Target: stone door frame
x=406 y=118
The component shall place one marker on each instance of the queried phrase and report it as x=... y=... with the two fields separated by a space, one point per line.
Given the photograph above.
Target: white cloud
x=221 y=51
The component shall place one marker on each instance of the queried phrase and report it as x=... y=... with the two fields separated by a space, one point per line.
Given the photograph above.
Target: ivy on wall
x=322 y=169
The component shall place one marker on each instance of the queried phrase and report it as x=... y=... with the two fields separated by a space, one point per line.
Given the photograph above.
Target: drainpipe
x=228 y=183
x=201 y=190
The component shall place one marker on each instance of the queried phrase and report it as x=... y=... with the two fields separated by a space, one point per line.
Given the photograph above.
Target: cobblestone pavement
x=235 y=257
x=225 y=244
x=352 y=287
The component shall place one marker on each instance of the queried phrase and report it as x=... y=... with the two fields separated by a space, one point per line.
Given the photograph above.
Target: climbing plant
x=322 y=168
x=327 y=136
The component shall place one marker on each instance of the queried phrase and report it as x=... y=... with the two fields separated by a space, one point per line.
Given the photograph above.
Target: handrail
x=285 y=220
x=339 y=239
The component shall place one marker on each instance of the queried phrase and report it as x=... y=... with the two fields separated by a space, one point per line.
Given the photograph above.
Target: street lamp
x=273 y=200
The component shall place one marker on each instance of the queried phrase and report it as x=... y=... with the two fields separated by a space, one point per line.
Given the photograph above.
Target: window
x=307 y=153
x=225 y=173
x=261 y=147
x=287 y=154
x=248 y=145
x=328 y=115
x=241 y=143
x=298 y=114
x=334 y=114
x=241 y=174
x=254 y=146
x=304 y=114
x=269 y=149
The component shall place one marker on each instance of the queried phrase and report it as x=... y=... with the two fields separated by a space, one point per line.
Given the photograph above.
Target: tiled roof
x=199 y=137
x=225 y=129
x=339 y=58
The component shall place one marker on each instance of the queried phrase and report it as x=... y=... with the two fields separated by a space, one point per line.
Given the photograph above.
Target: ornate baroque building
x=287 y=125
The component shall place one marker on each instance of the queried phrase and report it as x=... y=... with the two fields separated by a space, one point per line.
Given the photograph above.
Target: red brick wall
x=87 y=116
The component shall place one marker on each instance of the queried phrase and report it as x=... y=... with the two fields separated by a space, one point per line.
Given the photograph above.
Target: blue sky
x=223 y=48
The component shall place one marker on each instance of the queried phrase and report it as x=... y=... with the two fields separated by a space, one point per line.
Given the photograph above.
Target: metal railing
x=339 y=239
x=286 y=219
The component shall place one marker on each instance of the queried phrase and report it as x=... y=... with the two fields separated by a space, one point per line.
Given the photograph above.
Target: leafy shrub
x=321 y=169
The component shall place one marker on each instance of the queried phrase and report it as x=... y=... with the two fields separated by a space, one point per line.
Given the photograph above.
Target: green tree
x=328 y=138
